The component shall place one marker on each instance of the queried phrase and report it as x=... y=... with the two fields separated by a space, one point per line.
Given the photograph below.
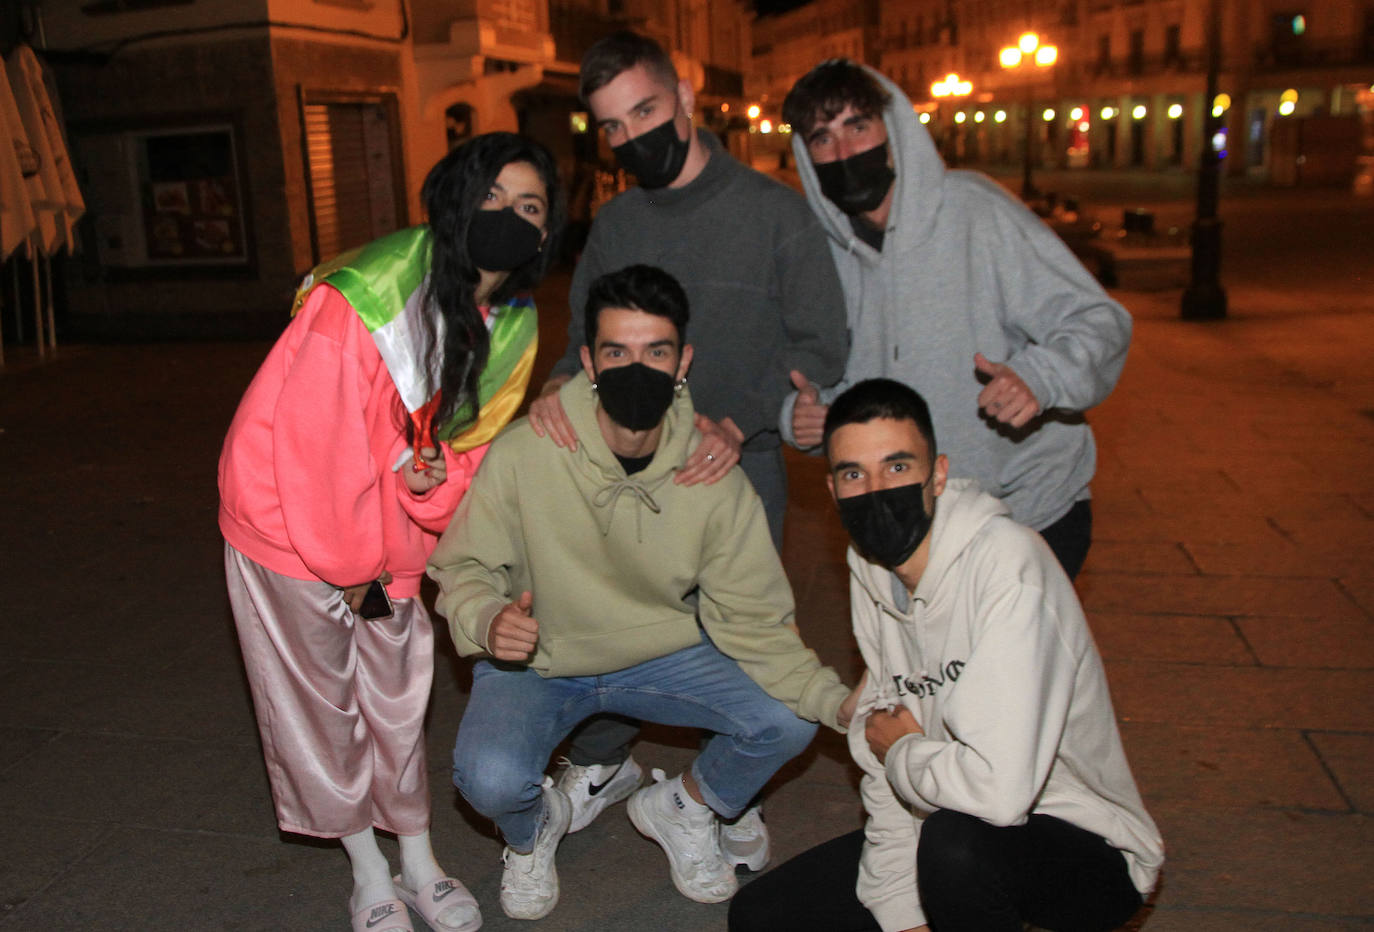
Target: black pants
x=1070 y=536
x=971 y=875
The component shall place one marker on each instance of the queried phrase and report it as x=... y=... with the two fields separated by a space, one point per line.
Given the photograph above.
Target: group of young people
x=605 y=562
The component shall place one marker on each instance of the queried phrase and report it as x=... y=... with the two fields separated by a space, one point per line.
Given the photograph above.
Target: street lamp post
x=1205 y=297
x=954 y=87
x=1028 y=46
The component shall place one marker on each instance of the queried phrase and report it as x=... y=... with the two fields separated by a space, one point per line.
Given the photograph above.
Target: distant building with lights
x=1295 y=78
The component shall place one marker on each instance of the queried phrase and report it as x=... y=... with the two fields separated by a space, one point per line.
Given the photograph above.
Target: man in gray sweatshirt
x=962 y=293
x=765 y=300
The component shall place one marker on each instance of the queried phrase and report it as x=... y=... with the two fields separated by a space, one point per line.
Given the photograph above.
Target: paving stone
x=195 y=881
x=1269 y=557
x=1252 y=920
x=1186 y=527
x=1314 y=642
x=38 y=848
x=1350 y=759
x=1362 y=499
x=1283 y=860
x=172 y=784
x=1149 y=558
x=1227 y=767
x=1360 y=588
x=1211 y=595
x=205 y=697
x=1253 y=697
x=19 y=743
x=1181 y=638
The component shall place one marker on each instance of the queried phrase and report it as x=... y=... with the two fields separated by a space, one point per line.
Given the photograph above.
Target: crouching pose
x=590 y=582
x=996 y=788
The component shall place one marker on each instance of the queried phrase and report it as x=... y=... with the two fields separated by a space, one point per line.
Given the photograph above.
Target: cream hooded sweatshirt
x=993 y=657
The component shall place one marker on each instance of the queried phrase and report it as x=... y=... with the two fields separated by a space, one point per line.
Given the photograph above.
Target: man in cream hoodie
x=962 y=293
x=589 y=582
x=995 y=784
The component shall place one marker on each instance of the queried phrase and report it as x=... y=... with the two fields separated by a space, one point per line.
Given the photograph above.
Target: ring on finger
x=710 y=457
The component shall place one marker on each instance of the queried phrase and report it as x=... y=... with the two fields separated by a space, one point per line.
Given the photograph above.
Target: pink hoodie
x=305 y=479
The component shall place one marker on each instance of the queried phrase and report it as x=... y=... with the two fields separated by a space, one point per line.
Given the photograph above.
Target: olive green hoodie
x=621 y=567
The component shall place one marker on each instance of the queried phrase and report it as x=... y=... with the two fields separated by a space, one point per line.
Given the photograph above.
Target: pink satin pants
x=340 y=702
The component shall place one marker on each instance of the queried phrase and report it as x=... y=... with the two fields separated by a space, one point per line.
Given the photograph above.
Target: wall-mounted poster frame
x=168 y=194
x=191 y=195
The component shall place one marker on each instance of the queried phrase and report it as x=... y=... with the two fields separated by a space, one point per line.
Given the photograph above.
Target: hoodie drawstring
x=609 y=496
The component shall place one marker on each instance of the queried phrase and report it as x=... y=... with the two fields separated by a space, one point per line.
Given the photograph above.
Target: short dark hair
x=827 y=89
x=879 y=398
x=611 y=55
x=644 y=288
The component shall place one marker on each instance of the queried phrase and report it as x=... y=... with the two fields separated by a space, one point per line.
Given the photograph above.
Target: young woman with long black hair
x=347 y=457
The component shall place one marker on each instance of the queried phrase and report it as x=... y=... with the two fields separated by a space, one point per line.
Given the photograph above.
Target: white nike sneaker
x=745 y=840
x=687 y=833
x=592 y=788
x=529 y=884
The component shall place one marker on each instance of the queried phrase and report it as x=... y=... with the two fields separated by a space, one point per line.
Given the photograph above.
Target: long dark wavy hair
x=453 y=191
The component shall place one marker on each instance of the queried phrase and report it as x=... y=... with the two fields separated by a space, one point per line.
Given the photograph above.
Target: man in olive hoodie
x=590 y=582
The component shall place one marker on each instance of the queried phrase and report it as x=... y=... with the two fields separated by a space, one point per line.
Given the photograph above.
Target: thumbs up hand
x=808 y=414
x=1005 y=398
x=514 y=632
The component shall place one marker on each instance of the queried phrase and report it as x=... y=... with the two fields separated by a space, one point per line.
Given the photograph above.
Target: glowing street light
x=753 y=111
x=951 y=86
x=955 y=87
x=1028 y=45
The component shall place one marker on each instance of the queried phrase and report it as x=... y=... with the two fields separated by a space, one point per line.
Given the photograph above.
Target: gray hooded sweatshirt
x=965 y=269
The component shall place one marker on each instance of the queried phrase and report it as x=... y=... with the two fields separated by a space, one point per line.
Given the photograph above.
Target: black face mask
x=655 y=157
x=635 y=396
x=859 y=183
x=888 y=525
x=499 y=240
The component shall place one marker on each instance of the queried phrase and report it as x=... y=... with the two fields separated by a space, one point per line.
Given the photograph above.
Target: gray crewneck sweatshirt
x=965 y=269
x=759 y=279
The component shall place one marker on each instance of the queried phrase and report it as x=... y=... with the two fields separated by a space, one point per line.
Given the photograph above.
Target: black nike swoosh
x=596 y=788
x=439 y=896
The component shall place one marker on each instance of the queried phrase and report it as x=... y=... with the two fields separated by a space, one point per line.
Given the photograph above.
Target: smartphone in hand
x=376 y=602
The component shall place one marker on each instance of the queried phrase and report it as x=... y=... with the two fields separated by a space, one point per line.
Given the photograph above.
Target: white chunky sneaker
x=592 y=788
x=529 y=884
x=745 y=840
x=688 y=835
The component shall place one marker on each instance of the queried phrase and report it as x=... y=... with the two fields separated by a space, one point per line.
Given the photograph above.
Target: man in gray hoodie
x=960 y=292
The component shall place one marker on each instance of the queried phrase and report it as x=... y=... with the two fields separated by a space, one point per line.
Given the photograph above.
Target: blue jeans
x=516 y=718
